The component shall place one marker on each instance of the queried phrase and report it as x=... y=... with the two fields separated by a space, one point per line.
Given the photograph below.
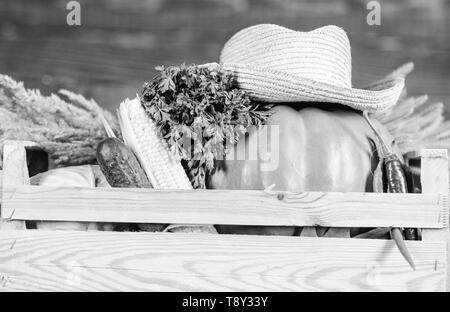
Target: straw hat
x=277 y=64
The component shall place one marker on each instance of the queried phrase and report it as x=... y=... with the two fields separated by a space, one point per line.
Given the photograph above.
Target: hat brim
x=269 y=85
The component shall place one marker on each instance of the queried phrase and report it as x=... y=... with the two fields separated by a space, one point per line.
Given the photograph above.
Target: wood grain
x=111 y=261
x=15 y=172
x=435 y=178
x=224 y=207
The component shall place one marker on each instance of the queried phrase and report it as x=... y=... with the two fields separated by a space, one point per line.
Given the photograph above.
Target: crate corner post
x=15 y=173
x=434 y=178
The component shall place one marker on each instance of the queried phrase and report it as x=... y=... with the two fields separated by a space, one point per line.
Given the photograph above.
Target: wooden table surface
x=119 y=43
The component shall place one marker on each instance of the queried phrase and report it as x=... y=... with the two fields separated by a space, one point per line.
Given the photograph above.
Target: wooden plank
x=224 y=207
x=15 y=172
x=111 y=261
x=435 y=178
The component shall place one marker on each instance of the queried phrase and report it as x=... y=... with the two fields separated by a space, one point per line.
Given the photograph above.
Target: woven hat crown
x=320 y=55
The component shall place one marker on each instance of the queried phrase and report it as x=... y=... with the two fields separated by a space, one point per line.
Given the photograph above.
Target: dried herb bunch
x=199 y=111
x=68 y=130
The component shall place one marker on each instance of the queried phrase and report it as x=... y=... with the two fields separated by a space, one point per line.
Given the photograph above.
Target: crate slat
x=15 y=172
x=224 y=207
x=434 y=177
x=106 y=261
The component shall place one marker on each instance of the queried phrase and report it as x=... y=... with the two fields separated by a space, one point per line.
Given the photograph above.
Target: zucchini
x=122 y=169
x=119 y=165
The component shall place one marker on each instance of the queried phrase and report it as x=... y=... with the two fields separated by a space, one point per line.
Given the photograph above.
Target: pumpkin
x=318 y=150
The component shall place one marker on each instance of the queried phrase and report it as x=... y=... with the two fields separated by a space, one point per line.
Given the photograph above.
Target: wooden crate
x=138 y=261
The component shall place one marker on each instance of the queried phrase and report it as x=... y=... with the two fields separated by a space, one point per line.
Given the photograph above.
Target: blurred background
x=119 y=43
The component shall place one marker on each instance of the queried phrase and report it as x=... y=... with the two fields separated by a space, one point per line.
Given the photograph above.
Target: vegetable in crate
x=396 y=183
x=122 y=169
x=182 y=101
x=119 y=165
x=139 y=132
x=200 y=103
x=316 y=150
x=319 y=149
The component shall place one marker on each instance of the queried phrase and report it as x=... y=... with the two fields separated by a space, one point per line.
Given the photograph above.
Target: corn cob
x=140 y=134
